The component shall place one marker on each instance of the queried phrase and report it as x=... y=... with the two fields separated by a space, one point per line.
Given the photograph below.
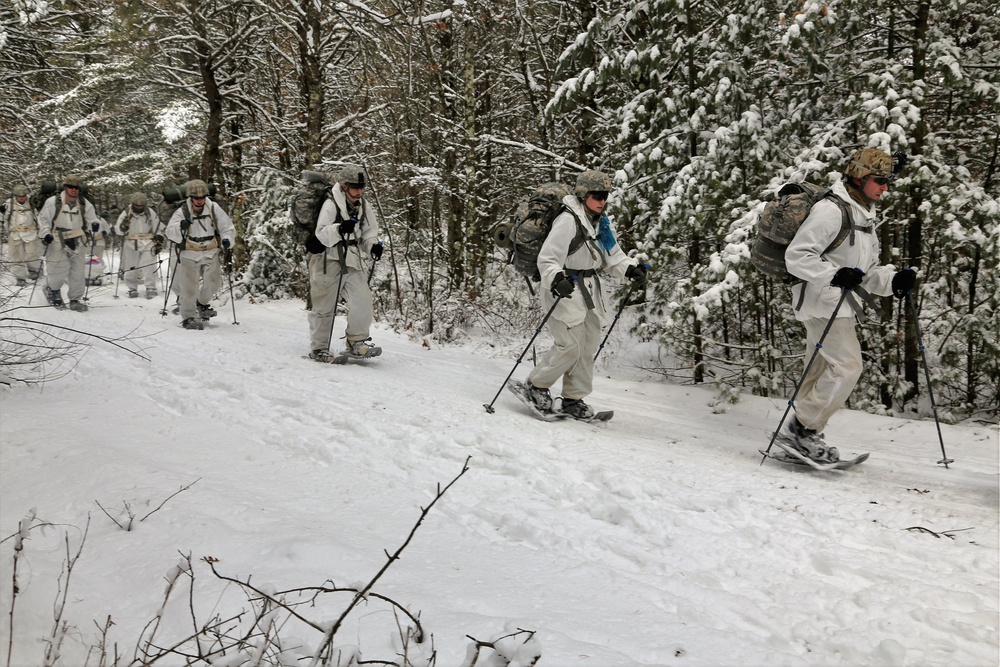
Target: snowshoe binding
x=194 y=323
x=78 y=306
x=536 y=399
x=205 y=312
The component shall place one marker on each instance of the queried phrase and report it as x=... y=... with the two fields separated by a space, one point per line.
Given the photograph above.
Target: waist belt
x=201 y=243
x=137 y=236
x=25 y=228
x=585 y=273
x=69 y=233
x=581 y=273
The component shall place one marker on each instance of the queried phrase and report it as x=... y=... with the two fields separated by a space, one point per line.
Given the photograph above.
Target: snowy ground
x=655 y=539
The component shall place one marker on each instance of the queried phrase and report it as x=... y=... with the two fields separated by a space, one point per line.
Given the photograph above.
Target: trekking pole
x=927 y=378
x=538 y=330
x=42 y=263
x=119 y=272
x=819 y=344
x=615 y=321
x=342 y=252
x=371 y=272
x=93 y=244
x=229 y=272
x=173 y=274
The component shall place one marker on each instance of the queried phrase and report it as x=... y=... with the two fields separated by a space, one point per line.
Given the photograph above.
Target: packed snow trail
x=654 y=539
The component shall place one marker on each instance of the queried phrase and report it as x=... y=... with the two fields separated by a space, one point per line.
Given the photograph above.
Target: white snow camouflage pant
x=324 y=276
x=834 y=373
x=571 y=357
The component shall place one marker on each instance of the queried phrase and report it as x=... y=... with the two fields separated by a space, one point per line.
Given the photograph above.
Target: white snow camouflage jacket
x=203 y=226
x=142 y=227
x=804 y=258
x=365 y=231
x=74 y=220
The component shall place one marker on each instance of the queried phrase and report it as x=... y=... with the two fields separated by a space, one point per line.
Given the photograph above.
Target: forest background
x=701 y=110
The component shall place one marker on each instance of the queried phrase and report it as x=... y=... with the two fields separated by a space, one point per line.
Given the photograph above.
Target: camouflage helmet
x=138 y=199
x=868 y=162
x=352 y=174
x=72 y=180
x=20 y=190
x=591 y=181
x=197 y=188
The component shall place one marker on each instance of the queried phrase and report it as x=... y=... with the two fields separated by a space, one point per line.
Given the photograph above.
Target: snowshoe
x=151 y=293
x=523 y=393
x=789 y=454
x=580 y=411
x=21 y=282
x=206 y=312
x=78 y=306
x=194 y=323
x=133 y=293
x=807 y=442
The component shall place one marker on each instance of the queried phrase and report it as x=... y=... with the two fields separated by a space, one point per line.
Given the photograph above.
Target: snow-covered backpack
x=307 y=200
x=531 y=224
x=781 y=219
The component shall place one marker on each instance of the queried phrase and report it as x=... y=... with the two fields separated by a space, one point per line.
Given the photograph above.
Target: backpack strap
x=848 y=230
x=581 y=233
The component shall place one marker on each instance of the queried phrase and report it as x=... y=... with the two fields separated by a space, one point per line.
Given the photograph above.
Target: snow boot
x=54 y=298
x=540 y=396
x=194 y=323
x=363 y=348
x=78 y=306
x=21 y=282
x=322 y=356
x=151 y=293
x=133 y=293
x=206 y=312
x=577 y=409
x=808 y=442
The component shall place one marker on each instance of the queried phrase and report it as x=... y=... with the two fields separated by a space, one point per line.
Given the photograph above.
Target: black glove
x=157 y=244
x=637 y=273
x=847 y=277
x=903 y=283
x=225 y=243
x=125 y=225
x=95 y=226
x=377 y=251
x=347 y=226
x=185 y=226
x=562 y=286
x=314 y=245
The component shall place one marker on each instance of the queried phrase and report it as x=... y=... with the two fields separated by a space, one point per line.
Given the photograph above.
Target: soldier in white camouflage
x=826 y=273
x=573 y=277
x=20 y=229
